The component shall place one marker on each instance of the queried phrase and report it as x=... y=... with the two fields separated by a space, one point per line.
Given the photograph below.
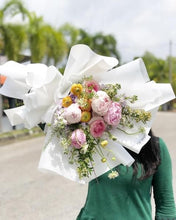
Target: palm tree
x=45 y=41
x=42 y=40
x=36 y=40
x=71 y=33
x=56 y=45
x=12 y=36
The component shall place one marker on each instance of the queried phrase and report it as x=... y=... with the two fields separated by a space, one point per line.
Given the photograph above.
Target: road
x=27 y=194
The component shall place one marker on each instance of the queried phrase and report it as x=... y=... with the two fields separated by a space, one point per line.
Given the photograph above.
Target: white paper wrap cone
x=41 y=88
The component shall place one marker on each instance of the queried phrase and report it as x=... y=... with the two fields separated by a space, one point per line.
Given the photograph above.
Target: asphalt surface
x=27 y=194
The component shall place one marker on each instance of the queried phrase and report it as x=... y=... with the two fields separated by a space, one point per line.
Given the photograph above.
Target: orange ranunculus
x=85 y=116
x=66 y=101
x=76 y=89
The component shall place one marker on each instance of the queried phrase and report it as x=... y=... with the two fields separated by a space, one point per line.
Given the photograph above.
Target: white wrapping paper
x=41 y=88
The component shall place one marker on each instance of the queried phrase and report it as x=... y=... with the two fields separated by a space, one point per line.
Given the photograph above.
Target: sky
x=137 y=25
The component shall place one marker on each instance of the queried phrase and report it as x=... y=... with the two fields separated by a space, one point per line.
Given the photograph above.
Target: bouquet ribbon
x=42 y=87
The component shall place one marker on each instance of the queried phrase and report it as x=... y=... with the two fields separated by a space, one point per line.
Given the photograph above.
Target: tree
x=158 y=70
x=156 y=67
x=45 y=43
x=42 y=39
x=36 y=40
x=106 y=44
x=103 y=44
x=70 y=33
x=173 y=60
x=12 y=36
x=56 y=45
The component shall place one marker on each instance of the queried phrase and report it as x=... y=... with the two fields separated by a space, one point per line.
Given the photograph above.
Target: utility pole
x=170 y=70
x=170 y=62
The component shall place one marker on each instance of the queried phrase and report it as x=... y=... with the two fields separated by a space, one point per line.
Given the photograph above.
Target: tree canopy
x=12 y=36
x=46 y=43
x=158 y=69
x=50 y=45
x=99 y=42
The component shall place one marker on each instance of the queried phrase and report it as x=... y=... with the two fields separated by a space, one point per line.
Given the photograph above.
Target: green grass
x=16 y=135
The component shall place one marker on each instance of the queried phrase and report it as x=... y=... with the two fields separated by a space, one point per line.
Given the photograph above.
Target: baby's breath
x=112 y=90
x=113 y=175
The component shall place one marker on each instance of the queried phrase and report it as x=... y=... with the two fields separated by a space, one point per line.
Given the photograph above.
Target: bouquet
x=91 y=112
x=84 y=119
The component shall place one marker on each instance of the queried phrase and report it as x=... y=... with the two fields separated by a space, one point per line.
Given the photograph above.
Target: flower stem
x=138 y=132
x=99 y=151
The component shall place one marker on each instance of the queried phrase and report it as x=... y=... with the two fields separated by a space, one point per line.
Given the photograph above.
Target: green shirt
x=128 y=198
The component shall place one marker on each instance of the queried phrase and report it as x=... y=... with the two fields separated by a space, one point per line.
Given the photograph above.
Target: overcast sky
x=138 y=25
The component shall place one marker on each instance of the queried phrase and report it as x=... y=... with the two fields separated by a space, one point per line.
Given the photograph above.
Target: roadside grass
x=16 y=135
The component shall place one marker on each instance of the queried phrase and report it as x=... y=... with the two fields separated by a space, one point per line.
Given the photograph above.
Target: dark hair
x=148 y=158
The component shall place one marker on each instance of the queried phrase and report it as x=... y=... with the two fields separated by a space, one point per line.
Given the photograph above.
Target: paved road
x=27 y=194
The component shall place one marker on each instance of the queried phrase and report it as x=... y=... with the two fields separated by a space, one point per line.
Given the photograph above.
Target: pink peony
x=72 y=114
x=97 y=126
x=113 y=115
x=101 y=103
x=92 y=85
x=78 y=138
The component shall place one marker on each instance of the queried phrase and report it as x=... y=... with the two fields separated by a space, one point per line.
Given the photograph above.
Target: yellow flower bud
x=103 y=160
x=104 y=143
x=113 y=158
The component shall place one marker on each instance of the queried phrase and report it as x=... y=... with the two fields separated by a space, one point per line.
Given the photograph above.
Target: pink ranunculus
x=101 y=103
x=72 y=114
x=113 y=115
x=78 y=138
x=97 y=126
x=92 y=85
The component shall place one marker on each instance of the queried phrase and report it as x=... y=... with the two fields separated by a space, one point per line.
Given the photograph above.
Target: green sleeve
x=162 y=187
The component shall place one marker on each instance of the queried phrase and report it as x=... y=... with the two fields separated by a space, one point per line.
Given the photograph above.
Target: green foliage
x=70 y=33
x=173 y=60
x=42 y=39
x=102 y=44
x=46 y=44
x=12 y=8
x=36 y=39
x=51 y=46
x=158 y=69
x=13 y=37
x=56 y=45
x=106 y=44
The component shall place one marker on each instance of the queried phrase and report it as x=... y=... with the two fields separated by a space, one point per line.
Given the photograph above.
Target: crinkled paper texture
x=42 y=87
